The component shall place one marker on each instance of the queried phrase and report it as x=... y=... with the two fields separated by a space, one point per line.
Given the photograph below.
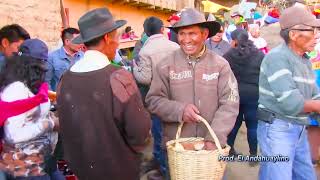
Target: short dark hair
x=127 y=29
x=94 y=41
x=284 y=33
x=152 y=25
x=244 y=45
x=68 y=33
x=13 y=33
x=203 y=27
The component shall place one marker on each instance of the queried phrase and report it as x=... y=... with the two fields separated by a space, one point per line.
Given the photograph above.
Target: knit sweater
x=286 y=81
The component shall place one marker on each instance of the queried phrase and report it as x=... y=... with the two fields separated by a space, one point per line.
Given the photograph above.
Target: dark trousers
x=247 y=113
x=51 y=162
x=158 y=154
x=44 y=177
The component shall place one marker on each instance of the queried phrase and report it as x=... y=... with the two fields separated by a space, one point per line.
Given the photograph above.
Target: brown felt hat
x=297 y=16
x=96 y=23
x=191 y=16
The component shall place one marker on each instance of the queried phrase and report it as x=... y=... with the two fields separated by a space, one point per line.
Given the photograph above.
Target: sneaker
x=315 y=163
x=155 y=175
x=253 y=163
x=149 y=166
x=233 y=152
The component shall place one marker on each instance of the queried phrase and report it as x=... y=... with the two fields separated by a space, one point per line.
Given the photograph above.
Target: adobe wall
x=40 y=18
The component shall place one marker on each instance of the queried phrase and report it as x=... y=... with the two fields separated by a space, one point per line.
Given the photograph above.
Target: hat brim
x=234 y=15
x=213 y=27
x=314 y=23
x=79 y=39
x=43 y=65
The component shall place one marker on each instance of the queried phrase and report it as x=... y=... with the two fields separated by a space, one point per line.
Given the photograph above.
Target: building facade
x=42 y=19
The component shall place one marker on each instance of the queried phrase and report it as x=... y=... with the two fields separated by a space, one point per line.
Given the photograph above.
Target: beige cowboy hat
x=191 y=16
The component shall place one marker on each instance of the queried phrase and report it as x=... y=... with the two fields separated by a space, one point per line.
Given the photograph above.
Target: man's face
x=10 y=47
x=305 y=38
x=74 y=48
x=112 y=44
x=218 y=36
x=192 y=38
x=236 y=19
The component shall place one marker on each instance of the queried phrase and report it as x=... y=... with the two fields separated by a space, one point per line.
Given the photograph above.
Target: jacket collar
x=198 y=58
x=2 y=56
x=290 y=51
x=91 y=61
x=63 y=54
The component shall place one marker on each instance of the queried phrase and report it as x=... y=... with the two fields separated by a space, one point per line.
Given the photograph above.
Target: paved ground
x=238 y=170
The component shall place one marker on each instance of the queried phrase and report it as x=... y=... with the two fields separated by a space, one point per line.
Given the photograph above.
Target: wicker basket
x=196 y=165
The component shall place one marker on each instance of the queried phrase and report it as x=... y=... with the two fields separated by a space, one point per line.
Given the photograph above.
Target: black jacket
x=246 y=68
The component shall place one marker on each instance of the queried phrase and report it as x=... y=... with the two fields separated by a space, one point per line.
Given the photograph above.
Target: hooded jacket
x=246 y=68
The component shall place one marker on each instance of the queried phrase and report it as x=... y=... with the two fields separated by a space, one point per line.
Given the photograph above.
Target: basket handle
x=213 y=135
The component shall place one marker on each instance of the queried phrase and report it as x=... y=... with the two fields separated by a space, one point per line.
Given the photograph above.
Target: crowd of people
x=100 y=122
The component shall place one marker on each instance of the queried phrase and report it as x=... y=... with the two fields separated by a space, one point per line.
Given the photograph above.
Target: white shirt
x=92 y=60
x=259 y=42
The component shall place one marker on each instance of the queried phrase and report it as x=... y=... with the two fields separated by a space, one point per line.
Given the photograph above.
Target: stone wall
x=41 y=18
x=184 y=3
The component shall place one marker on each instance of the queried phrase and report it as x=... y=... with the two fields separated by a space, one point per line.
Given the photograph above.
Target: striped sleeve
x=279 y=83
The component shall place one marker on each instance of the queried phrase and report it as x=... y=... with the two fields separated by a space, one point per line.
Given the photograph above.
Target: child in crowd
x=128 y=33
x=258 y=41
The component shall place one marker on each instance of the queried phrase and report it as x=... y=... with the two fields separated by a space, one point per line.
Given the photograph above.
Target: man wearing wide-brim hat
x=194 y=81
x=287 y=96
x=103 y=122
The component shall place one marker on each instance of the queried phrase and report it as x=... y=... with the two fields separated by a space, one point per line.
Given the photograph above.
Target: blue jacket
x=58 y=63
x=2 y=60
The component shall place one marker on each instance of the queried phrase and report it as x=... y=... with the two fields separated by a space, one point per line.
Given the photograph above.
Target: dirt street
x=236 y=170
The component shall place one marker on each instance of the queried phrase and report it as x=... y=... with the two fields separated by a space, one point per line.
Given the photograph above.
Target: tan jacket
x=154 y=49
x=209 y=84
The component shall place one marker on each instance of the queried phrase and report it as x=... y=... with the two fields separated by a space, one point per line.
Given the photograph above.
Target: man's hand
x=311 y=106
x=210 y=146
x=190 y=114
x=55 y=119
x=317 y=106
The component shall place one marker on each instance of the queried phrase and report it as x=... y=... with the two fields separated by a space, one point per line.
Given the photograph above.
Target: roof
x=212 y=7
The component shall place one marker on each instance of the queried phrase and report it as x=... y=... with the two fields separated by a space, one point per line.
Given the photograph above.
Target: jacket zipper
x=194 y=89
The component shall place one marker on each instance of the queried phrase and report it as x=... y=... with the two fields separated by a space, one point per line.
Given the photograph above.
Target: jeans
x=314 y=136
x=57 y=175
x=286 y=139
x=158 y=153
x=247 y=113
